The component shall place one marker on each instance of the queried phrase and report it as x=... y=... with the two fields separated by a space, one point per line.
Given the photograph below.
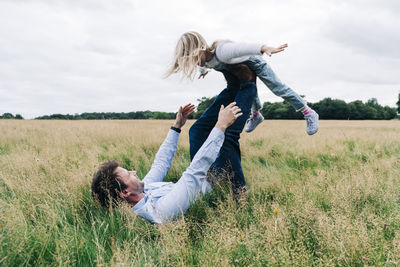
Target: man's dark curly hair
x=106 y=186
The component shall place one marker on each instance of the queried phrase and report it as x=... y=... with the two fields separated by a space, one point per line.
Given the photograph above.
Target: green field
x=336 y=197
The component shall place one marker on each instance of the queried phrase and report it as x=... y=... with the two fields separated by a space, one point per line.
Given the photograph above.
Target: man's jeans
x=229 y=159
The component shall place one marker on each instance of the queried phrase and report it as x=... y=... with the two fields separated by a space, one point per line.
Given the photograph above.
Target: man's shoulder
x=156 y=185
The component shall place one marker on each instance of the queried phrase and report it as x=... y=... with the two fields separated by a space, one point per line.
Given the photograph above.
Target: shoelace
x=309 y=120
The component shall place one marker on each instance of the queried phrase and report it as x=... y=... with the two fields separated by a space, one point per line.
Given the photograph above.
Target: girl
x=192 y=51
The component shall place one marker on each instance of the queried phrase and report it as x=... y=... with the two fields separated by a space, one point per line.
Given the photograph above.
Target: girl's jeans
x=264 y=72
x=229 y=159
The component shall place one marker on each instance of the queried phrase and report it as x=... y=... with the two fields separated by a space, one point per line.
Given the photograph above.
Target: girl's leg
x=256 y=104
x=269 y=78
x=256 y=117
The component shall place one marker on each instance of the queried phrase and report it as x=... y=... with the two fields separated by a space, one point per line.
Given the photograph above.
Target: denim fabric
x=229 y=159
x=264 y=72
x=256 y=106
x=269 y=78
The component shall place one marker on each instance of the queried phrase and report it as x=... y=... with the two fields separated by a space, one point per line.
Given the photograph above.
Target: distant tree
x=204 y=103
x=374 y=110
x=161 y=116
x=357 y=110
x=279 y=111
x=45 y=117
x=389 y=113
x=398 y=104
x=139 y=115
x=122 y=116
x=7 y=116
x=370 y=110
x=91 y=116
x=148 y=114
x=332 y=109
x=58 y=117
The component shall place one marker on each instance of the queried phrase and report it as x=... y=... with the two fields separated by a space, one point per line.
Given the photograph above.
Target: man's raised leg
x=200 y=130
x=229 y=159
x=241 y=89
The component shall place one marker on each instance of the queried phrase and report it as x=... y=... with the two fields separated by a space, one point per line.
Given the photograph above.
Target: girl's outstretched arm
x=230 y=52
x=273 y=50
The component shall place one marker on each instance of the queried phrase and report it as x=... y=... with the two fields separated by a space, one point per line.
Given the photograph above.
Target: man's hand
x=183 y=115
x=227 y=116
x=273 y=50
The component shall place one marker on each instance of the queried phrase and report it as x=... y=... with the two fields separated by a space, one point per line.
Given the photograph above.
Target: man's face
x=135 y=188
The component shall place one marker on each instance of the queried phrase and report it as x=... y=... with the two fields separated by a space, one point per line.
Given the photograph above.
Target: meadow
x=332 y=199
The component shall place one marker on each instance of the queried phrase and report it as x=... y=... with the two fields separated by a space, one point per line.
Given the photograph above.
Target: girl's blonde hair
x=187 y=54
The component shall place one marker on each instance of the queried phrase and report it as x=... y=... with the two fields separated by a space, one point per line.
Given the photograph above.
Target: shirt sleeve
x=228 y=50
x=203 y=70
x=186 y=190
x=163 y=160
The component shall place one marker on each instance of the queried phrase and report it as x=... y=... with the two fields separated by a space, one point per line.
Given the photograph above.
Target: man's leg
x=200 y=130
x=229 y=159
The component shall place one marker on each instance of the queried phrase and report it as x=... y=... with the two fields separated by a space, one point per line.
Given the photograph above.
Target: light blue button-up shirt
x=165 y=201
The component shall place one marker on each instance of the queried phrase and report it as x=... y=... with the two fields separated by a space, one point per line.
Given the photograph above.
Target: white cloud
x=64 y=56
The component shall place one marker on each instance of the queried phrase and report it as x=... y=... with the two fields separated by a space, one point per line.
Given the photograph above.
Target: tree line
x=11 y=116
x=333 y=109
x=138 y=115
x=327 y=108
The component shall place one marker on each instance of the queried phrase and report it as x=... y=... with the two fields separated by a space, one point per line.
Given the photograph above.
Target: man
x=213 y=140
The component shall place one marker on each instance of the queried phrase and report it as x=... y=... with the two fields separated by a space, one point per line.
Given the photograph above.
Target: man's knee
x=242 y=72
x=193 y=130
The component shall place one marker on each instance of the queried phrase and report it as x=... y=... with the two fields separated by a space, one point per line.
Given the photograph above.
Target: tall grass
x=336 y=197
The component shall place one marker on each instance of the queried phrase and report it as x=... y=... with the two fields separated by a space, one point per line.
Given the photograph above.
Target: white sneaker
x=252 y=122
x=312 y=122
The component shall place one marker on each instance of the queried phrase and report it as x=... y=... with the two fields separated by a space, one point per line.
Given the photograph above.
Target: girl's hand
x=273 y=50
x=182 y=115
x=203 y=75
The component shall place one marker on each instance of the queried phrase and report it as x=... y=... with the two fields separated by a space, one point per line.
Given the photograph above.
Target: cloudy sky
x=74 y=56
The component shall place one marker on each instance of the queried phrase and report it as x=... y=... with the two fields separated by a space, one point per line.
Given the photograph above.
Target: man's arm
x=165 y=154
x=189 y=185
